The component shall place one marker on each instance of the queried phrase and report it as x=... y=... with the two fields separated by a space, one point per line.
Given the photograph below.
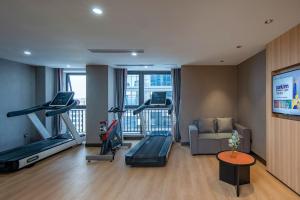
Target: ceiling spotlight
x=134 y=53
x=146 y=67
x=269 y=21
x=68 y=66
x=239 y=46
x=97 y=11
x=222 y=61
x=27 y=53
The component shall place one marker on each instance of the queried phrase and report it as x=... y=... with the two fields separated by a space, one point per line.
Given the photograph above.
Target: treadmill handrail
x=139 y=109
x=64 y=109
x=147 y=105
x=28 y=110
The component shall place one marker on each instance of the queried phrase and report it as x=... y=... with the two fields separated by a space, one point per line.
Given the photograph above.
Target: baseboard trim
x=185 y=143
x=93 y=144
x=260 y=159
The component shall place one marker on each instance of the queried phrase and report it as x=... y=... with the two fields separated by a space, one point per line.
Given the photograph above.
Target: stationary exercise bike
x=111 y=137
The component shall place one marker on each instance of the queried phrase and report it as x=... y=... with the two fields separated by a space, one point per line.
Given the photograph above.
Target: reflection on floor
x=68 y=176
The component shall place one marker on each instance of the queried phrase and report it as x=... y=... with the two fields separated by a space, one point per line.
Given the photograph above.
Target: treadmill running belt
x=152 y=151
x=31 y=149
x=151 y=147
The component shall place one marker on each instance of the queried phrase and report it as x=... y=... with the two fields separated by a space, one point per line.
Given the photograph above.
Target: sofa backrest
x=214 y=125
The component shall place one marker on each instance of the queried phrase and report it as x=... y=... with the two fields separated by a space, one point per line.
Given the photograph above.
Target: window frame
x=142 y=82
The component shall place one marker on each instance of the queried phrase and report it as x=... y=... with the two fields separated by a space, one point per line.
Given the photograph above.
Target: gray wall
x=99 y=87
x=23 y=86
x=17 y=91
x=252 y=100
x=45 y=91
x=207 y=91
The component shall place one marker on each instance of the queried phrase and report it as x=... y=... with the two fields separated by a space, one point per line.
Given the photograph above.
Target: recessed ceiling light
x=27 y=53
x=134 y=53
x=97 y=11
x=269 y=21
x=146 y=67
x=239 y=46
x=68 y=66
x=222 y=61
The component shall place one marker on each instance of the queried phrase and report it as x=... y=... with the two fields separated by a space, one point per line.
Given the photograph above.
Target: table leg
x=237 y=181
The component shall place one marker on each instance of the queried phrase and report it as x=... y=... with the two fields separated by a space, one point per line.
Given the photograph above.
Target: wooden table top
x=236 y=158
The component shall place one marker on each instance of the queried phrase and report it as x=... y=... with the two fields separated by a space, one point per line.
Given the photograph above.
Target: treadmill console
x=62 y=99
x=158 y=98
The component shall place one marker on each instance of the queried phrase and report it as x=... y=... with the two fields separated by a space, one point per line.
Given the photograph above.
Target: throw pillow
x=225 y=125
x=207 y=125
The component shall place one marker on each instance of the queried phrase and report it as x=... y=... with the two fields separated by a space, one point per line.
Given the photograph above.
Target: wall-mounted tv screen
x=286 y=92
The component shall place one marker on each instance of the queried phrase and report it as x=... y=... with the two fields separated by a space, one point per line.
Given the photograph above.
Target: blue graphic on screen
x=286 y=92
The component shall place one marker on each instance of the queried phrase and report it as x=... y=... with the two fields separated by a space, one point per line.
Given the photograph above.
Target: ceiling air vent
x=134 y=65
x=116 y=50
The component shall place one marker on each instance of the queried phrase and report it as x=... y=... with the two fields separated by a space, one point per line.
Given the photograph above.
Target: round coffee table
x=234 y=168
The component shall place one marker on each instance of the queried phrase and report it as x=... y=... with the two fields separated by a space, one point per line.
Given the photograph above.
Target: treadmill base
x=152 y=151
x=15 y=159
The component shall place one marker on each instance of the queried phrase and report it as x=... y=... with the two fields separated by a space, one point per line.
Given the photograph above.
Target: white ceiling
x=59 y=32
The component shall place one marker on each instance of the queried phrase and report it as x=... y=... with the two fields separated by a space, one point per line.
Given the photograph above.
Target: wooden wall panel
x=283 y=135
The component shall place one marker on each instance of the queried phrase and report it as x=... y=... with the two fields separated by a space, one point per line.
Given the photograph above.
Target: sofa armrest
x=193 y=129
x=246 y=133
x=193 y=136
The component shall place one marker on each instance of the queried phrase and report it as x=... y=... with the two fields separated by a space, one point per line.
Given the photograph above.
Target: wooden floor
x=68 y=176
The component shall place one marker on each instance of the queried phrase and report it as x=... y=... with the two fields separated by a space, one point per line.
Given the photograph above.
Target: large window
x=140 y=86
x=76 y=82
x=156 y=83
x=132 y=91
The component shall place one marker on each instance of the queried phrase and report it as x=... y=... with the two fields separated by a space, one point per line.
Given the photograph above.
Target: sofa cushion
x=224 y=135
x=207 y=125
x=217 y=136
x=224 y=125
x=208 y=136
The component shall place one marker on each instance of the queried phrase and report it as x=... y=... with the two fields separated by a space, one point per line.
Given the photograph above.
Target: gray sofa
x=210 y=135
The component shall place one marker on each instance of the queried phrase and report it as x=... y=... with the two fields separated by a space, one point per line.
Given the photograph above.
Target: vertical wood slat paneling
x=283 y=135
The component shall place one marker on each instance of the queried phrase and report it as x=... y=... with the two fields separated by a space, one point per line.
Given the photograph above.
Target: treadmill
x=154 y=148
x=27 y=155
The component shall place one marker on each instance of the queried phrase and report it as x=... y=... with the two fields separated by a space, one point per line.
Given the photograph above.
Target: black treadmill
x=154 y=148
x=17 y=158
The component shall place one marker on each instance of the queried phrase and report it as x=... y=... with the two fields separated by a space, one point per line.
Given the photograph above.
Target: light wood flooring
x=68 y=176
